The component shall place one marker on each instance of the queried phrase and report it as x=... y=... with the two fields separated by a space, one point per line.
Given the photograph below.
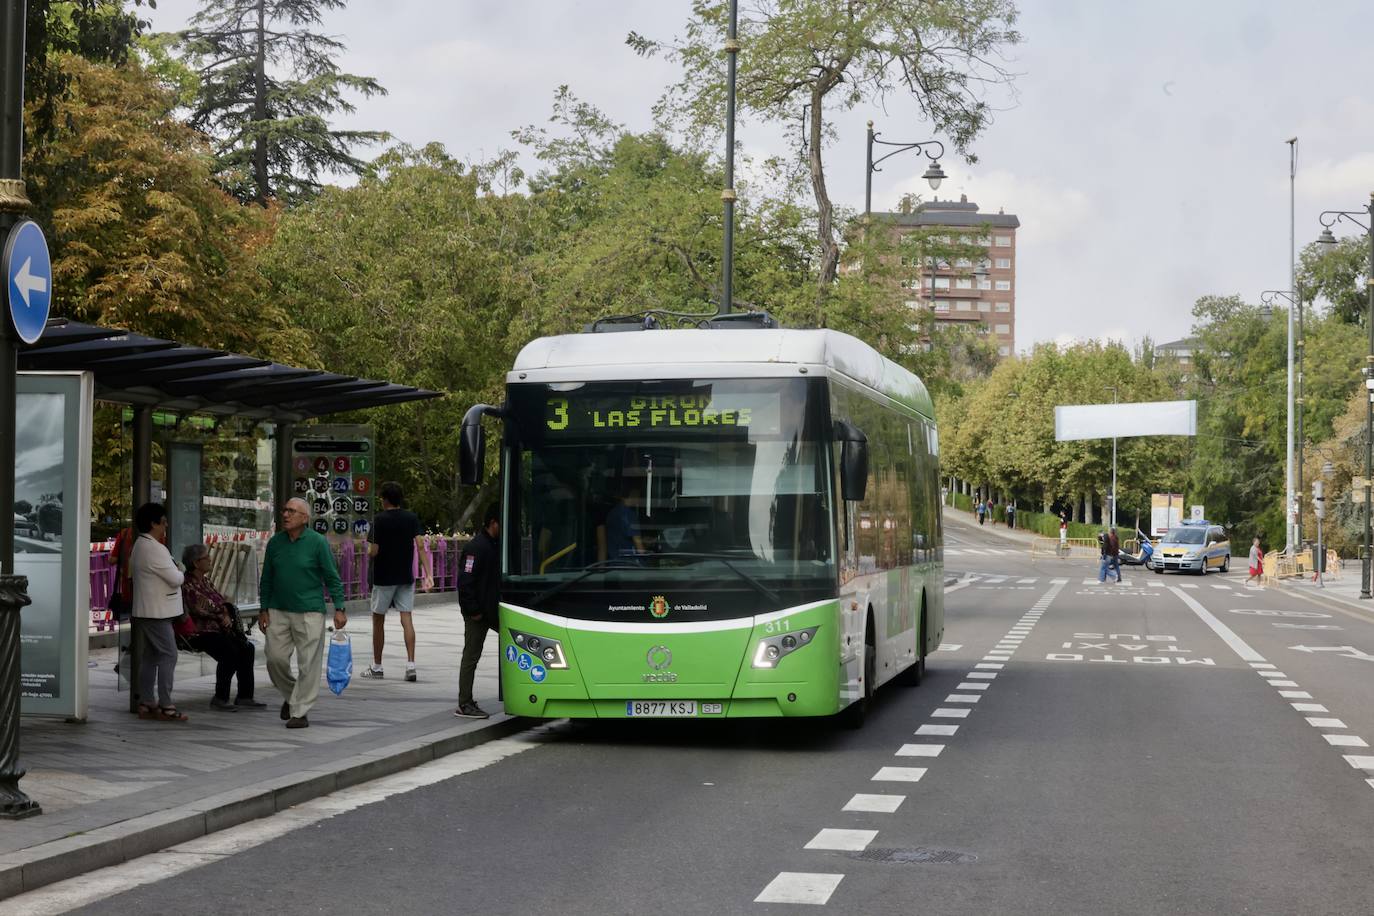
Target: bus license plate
x=660 y=708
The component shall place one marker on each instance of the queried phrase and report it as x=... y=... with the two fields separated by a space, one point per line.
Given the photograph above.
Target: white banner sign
x=1105 y=421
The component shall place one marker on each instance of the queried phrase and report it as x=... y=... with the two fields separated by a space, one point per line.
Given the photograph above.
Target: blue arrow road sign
x=28 y=280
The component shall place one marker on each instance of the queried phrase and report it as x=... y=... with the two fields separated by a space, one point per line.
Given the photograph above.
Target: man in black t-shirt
x=394 y=538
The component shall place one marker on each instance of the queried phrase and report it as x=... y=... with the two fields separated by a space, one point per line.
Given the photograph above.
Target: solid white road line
x=800 y=887
x=875 y=804
x=920 y=750
x=947 y=730
x=899 y=774
x=841 y=839
x=1228 y=636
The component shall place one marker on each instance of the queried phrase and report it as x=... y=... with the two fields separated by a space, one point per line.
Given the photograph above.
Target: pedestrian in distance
x=394 y=540
x=479 y=595
x=157 y=602
x=1111 y=555
x=1256 y=564
x=217 y=632
x=1063 y=534
x=1011 y=515
x=296 y=569
x=981 y=509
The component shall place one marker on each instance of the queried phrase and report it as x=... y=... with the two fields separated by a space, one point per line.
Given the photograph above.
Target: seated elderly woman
x=217 y=632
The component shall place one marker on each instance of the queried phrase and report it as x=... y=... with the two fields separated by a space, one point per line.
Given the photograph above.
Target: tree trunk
x=825 y=228
x=261 y=175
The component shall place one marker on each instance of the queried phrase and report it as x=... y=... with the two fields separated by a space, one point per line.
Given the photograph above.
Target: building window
x=963 y=262
x=913 y=303
x=926 y=282
x=1002 y=285
x=963 y=283
x=942 y=282
x=1002 y=241
x=1004 y=351
x=1003 y=329
x=984 y=283
x=984 y=306
x=942 y=305
x=1004 y=307
x=1003 y=263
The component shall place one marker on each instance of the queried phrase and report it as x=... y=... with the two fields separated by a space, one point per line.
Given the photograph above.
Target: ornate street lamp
x=933 y=174
x=1329 y=218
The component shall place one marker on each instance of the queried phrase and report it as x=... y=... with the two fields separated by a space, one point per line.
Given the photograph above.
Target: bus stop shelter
x=150 y=374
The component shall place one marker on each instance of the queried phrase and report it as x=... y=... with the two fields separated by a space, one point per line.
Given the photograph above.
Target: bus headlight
x=774 y=648
x=550 y=651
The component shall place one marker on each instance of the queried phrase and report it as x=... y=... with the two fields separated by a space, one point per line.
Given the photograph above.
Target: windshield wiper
x=724 y=559
x=617 y=563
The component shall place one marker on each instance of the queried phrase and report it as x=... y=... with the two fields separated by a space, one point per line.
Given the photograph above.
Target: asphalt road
x=1158 y=746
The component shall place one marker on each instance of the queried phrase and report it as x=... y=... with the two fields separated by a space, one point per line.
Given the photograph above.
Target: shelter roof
x=148 y=371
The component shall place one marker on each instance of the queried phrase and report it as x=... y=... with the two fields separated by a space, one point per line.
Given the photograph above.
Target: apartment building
x=965 y=292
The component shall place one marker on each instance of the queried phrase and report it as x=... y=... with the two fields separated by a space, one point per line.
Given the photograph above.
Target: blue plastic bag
x=339 y=668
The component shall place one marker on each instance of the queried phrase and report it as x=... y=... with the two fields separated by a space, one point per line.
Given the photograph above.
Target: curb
x=1331 y=602
x=29 y=869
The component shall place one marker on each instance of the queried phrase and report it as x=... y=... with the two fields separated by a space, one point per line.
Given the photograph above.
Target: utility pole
x=13 y=589
x=727 y=285
x=1289 y=498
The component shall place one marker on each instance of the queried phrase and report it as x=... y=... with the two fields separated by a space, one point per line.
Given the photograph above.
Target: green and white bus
x=713 y=522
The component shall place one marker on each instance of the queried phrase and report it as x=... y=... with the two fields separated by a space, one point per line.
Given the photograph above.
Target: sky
x=1143 y=150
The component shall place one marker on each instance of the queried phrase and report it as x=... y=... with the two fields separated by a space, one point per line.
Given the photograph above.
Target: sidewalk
x=1020 y=536
x=118 y=787
x=1343 y=592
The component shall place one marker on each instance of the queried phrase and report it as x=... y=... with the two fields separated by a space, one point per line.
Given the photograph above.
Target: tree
x=800 y=56
x=98 y=30
x=272 y=136
x=1338 y=273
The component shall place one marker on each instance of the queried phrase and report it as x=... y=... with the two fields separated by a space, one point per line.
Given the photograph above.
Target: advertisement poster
x=52 y=538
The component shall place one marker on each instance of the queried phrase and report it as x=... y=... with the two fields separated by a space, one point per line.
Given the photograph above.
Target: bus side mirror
x=853 y=461
x=472 y=443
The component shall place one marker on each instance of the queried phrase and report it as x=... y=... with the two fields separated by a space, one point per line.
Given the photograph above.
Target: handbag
x=121 y=606
x=184 y=626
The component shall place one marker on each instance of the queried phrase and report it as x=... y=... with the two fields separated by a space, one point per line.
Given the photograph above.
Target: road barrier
x=1065 y=549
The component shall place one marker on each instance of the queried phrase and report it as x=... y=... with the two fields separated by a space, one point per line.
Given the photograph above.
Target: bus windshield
x=648 y=486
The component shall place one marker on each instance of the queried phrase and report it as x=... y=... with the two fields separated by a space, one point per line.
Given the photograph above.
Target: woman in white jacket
x=157 y=602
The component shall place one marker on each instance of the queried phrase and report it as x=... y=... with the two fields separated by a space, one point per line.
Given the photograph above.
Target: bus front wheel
x=855 y=714
x=912 y=677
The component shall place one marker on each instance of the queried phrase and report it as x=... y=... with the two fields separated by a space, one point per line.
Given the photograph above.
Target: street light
x=933 y=174
x=1329 y=218
x=1112 y=389
x=1293 y=498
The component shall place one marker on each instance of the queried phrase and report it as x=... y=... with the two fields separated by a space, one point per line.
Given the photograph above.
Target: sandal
x=147 y=712
x=170 y=714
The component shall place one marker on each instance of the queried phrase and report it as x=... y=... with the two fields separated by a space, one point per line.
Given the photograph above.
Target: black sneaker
x=470 y=711
x=298 y=722
x=223 y=705
x=374 y=671
x=286 y=710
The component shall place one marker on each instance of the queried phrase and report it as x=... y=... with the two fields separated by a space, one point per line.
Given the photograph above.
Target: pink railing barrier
x=351 y=557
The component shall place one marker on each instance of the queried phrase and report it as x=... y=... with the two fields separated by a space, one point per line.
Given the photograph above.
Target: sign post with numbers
x=333 y=469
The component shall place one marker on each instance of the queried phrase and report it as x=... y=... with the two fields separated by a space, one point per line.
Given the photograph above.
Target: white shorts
x=401 y=597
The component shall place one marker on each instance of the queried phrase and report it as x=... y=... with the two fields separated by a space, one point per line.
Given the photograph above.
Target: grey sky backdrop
x=1144 y=151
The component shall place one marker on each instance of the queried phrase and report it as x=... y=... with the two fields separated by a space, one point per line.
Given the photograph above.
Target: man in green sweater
x=295 y=572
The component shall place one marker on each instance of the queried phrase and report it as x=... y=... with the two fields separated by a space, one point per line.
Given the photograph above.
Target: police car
x=1193 y=547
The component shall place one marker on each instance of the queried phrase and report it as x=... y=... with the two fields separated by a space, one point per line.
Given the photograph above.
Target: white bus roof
x=715 y=353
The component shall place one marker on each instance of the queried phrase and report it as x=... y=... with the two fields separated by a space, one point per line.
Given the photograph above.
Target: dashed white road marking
x=992 y=666
x=1262 y=665
x=1272 y=674
x=1225 y=588
x=947 y=730
x=1283 y=683
x=899 y=774
x=841 y=839
x=1309 y=707
x=920 y=750
x=1295 y=694
x=874 y=804
x=949 y=647
x=943 y=713
x=1359 y=762
x=1317 y=722
x=963 y=698
x=1025 y=581
x=800 y=887
x=968 y=686
x=1345 y=740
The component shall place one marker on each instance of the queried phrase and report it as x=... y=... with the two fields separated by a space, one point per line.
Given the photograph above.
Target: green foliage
x=804 y=57
x=419 y=274
x=268 y=84
x=1338 y=274
x=141 y=237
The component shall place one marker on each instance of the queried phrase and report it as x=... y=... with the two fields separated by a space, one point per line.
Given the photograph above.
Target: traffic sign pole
x=13 y=589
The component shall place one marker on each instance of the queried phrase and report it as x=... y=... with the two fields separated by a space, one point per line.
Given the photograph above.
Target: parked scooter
x=1142 y=558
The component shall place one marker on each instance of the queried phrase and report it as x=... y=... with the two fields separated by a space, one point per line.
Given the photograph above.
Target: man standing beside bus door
x=394 y=540
x=479 y=595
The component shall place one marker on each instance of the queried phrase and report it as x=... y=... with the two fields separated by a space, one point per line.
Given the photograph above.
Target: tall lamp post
x=933 y=174
x=1295 y=495
x=1329 y=218
x=1113 y=390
